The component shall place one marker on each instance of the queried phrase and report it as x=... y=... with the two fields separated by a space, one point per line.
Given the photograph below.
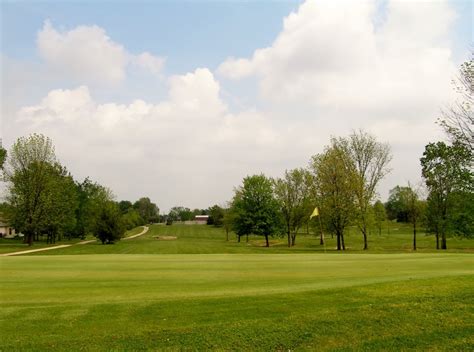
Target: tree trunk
x=342 y=241
x=364 y=232
x=266 y=239
x=437 y=240
x=238 y=238
x=443 y=241
x=289 y=238
x=293 y=240
x=338 y=236
x=414 y=236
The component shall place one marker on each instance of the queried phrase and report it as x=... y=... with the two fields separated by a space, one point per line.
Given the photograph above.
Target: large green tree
x=294 y=197
x=334 y=178
x=256 y=209
x=447 y=171
x=108 y=226
x=28 y=176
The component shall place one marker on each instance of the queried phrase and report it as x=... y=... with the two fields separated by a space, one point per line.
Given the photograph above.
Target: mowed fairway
x=345 y=302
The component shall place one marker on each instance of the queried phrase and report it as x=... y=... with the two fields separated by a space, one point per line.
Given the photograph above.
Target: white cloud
x=88 y=54
x=331 y=54
x=178 y=145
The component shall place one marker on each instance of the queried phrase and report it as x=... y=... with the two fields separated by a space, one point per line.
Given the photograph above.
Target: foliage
x=147 y=210
x=216 y=216
x=125 y=206
x=447 y=171
x=334 y=175
x=380 y=215
x=3 y=156
x=108 y=226
x=180 y=213
x=256 y=209
x=396 y=206
x=294 y=198
x=28 y=174
x=370 y=161
x=131 y=219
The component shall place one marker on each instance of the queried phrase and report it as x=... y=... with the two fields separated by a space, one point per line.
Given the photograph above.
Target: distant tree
x=131 y=219
x=334 y=175
x=147 y=210
x=125 y=206
x=294 y=197
x=180 y=213
x=379 y=215
x=216 y=215
x=3 y=156
x=28 y=174
x=108 y=226
x=370 y=159
x=61 y=202
x=415 y=208
x=447 y=170
x=458 y=120
x=228 y=220
x=396 y=206
x=256 y=209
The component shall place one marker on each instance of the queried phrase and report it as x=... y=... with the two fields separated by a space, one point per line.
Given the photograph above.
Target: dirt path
x=145 y=230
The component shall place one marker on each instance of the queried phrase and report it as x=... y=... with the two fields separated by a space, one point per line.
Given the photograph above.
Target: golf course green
x=306 y=301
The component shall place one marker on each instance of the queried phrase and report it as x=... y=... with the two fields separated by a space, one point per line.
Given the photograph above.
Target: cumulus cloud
x=179 y=145
x=88 y=54
x=329 y=54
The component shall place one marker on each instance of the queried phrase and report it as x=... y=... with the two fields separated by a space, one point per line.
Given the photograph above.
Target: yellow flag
x=315 y=213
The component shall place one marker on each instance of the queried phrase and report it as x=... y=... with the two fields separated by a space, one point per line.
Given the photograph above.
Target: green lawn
x=238 y=302
x=203 y=239
x=201 y=292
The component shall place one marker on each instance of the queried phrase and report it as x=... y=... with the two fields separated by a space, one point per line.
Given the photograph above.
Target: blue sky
x=183 y=99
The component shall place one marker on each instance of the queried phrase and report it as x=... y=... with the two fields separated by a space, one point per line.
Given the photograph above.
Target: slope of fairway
x=242 y=301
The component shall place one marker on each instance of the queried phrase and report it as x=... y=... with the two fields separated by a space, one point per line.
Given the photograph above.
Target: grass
x=238 y=302
x=202 y=239
x=201 y=292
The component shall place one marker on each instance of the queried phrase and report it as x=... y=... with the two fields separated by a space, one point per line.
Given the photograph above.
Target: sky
x=178 y=101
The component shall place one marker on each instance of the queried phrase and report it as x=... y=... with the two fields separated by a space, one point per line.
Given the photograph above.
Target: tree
x=3 y=156
x=256 y=209
x=28 y=174
x=125 y=206
x=293 y=195
x=180 y=213
x=380 y=215
x=414 y=207
x=147 y=210
x=396 y=206
x=61 y=201
x=370 y=159
x=108 y=226
x=334 y=175
x=447 y=171
x=458 y=120
x=228 y=221
x=216 y=216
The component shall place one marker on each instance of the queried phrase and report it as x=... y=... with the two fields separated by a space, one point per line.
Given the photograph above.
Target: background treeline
x=341 y=183
x=43 y=199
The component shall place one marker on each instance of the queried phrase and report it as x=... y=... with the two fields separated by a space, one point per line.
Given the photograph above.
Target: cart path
x=145 y=230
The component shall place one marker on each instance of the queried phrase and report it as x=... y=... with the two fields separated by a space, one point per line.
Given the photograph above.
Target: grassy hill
x=226 y=296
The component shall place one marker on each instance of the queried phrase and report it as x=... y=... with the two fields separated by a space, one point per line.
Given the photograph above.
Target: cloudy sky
x=179 y=101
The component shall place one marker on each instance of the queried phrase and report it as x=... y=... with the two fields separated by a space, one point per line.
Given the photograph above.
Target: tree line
x=340 y=185
x=43 y=199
